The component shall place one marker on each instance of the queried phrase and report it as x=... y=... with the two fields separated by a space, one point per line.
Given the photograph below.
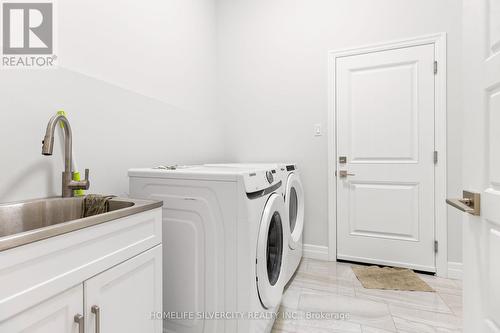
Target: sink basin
x=28 y=221
x=26 y=216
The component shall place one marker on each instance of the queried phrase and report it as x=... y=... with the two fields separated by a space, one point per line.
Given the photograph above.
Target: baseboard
x=455 y=270
x=315 y=252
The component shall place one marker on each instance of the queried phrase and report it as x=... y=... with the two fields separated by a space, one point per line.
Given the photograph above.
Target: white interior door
x=481 y=172
x=385 y=131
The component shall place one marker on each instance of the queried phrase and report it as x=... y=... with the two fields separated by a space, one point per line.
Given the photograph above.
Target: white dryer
x=225 y=246
x=293 y=193
x=294 y=203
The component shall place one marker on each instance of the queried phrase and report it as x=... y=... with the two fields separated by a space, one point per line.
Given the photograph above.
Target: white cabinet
x=116 y=266
x=123 y=298
x=50 y=316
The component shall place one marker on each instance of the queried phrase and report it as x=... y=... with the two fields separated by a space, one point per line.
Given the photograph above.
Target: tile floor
x=328 y=288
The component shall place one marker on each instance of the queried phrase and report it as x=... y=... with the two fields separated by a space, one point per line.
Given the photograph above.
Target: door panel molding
x=493 y=27
x=440 y=210
x=364 y=223
x=406 y=138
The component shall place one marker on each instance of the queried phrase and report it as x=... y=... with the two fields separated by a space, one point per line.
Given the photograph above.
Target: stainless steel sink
x=29 y=221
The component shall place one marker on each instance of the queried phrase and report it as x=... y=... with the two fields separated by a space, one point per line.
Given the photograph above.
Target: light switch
x=317 y=130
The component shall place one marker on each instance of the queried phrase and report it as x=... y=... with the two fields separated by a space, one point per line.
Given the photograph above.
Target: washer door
x=294 y=203
x=271 y=247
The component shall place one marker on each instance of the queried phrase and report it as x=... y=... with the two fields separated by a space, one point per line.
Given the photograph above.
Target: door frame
x=440 y=107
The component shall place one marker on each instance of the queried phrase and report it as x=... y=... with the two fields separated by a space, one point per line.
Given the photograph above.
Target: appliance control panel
x=259 y=180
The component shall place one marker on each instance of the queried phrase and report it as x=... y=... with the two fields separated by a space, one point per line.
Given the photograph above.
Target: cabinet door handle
x=96 y=310
x=79 y=319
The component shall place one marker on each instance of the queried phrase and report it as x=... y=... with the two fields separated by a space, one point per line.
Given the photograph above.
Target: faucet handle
x=82 y=184
x=86 y=180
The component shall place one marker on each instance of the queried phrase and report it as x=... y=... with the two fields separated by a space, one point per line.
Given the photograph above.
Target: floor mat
x=374 y=277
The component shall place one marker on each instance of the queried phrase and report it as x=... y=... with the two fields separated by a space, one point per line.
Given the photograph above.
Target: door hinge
x=435 y=67
x=436 y=246
x=435 y=156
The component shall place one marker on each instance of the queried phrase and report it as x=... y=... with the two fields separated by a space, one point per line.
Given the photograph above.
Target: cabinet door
x=54 y=315
x=125 y=297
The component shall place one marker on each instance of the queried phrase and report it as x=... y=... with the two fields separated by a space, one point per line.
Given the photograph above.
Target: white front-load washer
x=225 y=246
x=293 y=194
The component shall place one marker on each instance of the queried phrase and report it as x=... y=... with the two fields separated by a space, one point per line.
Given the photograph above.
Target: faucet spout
x=48 y=141
x=68 y=184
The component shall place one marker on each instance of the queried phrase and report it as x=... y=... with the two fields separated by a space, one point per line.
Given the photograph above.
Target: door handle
x=470 y=203
x=79 y=319
x=344 y=173
x=96 y=310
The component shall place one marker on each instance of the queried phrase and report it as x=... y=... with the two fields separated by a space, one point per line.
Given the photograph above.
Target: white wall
x=137 y=79
x=272 y=69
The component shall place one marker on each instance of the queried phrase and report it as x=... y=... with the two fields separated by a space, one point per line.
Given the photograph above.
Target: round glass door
x=293 y=208
x=271 y=252
x=274 y=252
x=294 y=203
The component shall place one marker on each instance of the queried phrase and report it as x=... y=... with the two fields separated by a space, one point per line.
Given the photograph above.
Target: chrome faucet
x=68 y=184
